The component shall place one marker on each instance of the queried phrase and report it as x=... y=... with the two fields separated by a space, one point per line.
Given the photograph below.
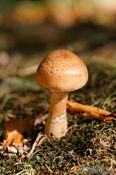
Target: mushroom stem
x=57 y=120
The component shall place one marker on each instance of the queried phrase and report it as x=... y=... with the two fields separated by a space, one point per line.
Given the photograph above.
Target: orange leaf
x=14 y=129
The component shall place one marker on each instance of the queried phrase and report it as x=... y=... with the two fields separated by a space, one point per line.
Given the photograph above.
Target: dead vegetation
x=89 y=145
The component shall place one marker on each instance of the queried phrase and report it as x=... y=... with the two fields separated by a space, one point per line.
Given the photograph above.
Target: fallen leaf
x=14 y=129
x=95 y=112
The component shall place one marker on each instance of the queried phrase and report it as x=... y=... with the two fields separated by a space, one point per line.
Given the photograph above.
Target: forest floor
x=90 y=144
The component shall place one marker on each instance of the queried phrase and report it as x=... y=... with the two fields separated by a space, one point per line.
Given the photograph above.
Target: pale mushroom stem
x=57 y=120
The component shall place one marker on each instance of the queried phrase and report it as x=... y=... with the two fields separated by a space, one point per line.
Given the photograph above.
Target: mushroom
x=61 y=72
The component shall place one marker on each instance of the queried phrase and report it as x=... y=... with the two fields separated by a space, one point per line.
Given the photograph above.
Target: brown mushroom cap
x=62 y=71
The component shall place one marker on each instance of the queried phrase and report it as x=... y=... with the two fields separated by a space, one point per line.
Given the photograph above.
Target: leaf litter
x=89 y=145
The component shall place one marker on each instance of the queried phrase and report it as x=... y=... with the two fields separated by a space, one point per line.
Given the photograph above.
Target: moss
x=89 y=144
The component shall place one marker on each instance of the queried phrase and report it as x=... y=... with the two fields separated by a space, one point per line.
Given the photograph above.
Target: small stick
x=6 y=98
x=28 y=70
x=39 y=140
x=91 y=110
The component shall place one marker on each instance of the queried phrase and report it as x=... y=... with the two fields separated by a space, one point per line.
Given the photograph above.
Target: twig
x=51 y=172
x=39 y=140
x=5 y=100
x=91 y=110
x=28 y=70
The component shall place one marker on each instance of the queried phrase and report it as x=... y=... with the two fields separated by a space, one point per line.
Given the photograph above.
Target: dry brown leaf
x=14 y=129
x=95 y=112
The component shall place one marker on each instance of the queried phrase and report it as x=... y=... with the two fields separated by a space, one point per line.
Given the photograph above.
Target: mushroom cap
x=62 y=71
